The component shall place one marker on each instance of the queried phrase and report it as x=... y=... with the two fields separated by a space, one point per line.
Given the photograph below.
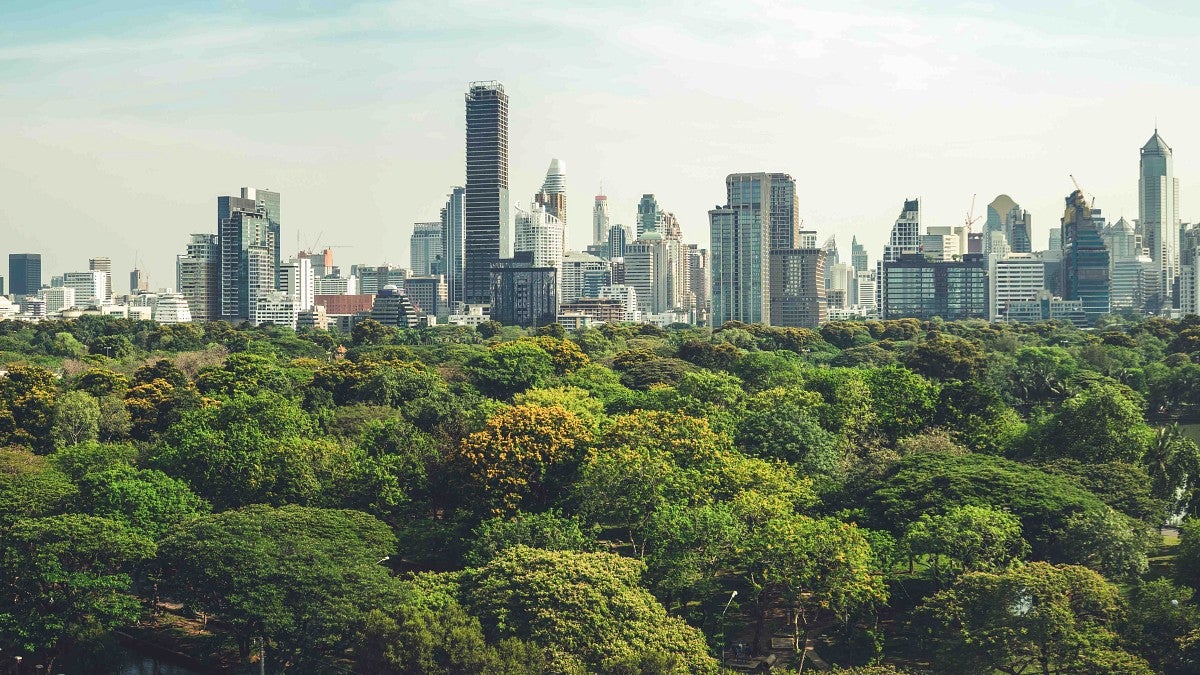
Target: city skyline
x=169 y=143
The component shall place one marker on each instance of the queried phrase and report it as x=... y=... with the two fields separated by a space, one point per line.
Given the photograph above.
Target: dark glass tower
x=24 y=273
x=248 y=250
x=1085 y=258
x=487 y=211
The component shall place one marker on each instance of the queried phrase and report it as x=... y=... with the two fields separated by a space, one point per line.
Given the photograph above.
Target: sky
x=121 y=122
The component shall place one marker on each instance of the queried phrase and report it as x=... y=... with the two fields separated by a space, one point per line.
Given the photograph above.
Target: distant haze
x=119 y=128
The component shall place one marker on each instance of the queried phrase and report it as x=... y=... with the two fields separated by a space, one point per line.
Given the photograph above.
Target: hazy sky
x=120 y=122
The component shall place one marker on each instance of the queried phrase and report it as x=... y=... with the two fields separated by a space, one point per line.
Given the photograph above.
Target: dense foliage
x=902 y=496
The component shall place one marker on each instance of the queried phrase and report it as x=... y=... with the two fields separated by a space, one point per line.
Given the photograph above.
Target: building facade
x=453 y=234
x=425 y=249
x=1158 y=215
x=1085 y=266
x=798 y=287
x=601 y=220
x=524 y=294
x=487 y=219
x=197 y=276
x=912 y=286
x=24 y=273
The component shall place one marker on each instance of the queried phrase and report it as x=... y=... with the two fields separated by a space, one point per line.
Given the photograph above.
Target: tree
x=709 y=355
x=146 y=501
x=76 y=418
x=301 y=577
x=523 y=454
x=549 y=530
x=1100 y=424
x=66 y=581
x=946 y=357
x=1173 y=461
x=820 y=568
x=1055 y=619
x=511 y=367
x=904 y=402
x=783 y=424
x=27 y=396
x=371 y=332
x=583 y=605
x=1159 y=618
x=969 y=538
x=31 y=487
x=688 y=548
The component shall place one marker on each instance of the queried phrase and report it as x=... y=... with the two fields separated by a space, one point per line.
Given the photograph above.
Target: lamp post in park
x=727 y=604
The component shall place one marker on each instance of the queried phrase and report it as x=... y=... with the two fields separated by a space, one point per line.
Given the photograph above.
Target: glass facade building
x=24 y=273
x=1158 y=215
x=487 y=227
x=913 y=286
x=1085 y=267
x=453 y=236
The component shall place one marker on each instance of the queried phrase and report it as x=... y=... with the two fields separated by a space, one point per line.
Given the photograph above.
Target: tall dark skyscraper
x=24 y=273
x=248 y=245
x=487 y=208
x=1085 y=271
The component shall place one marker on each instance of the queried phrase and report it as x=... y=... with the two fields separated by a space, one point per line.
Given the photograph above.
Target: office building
x=627 y=296
x=649 y=216
x=867 y=284
x=138 y=282
x=906 y=232
x=316 y=318
x=650 y=268
x=601 y=220
x=583 y=275
x=1158 y=216
x=276 y=308
x=453 y=235
x=58 y=298
x=1016 y=277
x=487 y=227
x=24 y=274
x=1085 y=266
x=373 y=278
x=197 y=277
x=428 y=295
x=858 y=255
x=760 y=211
x=944 y=243
x=1129 y=267
x=91 y=288
x=553 y=195
x=425 y=249
x=1046 y=307
x=103 y=265
x=335 y=285
x=540 y=233
x=524 y=294
x=172 y=308
x=912 y=286
x=1006 y=217
x=393 y=308
x=699 y=282
x=298 y=282
x=797 y=287
x=618 y=240
x=247 y=233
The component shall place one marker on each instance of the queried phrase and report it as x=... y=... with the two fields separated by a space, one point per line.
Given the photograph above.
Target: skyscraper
x=858 y=255
x=138 y=282
x=553 y=195
x=699 y=282
x=197 y=277
x=1158 y=215
x=649 y=216
x=539 y=233
x=453 y=236
x=1006 y=216
x=1085 y=271
x=742 y=233
x=906 y=232
x=798 y=287
x=525 y=294
x=247 y=252
x=487 y=226
x=24 y=273
x=425 y=249
x=601 y=220
x=103 y=265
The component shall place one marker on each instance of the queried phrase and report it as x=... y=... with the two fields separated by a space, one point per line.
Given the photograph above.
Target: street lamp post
x=727 y=604
x=19 y=659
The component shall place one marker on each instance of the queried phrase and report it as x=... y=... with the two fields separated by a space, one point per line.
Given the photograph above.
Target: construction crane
x=971 y=217
x=1091 y=203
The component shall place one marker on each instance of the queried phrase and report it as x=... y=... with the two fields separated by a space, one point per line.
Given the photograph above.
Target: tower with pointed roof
x=1158 y=216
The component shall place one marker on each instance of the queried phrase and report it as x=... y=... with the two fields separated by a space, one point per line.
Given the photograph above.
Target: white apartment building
x=628 y=297
x=276 y=308
x=1017 y=277
x=58 y=298
x=583 y=275
x=297 y=277
x=172 y=308
x=91 y=288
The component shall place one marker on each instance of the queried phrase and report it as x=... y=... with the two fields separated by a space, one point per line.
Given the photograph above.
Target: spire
x=1156 y=144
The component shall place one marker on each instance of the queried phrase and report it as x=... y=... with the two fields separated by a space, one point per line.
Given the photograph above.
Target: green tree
x=548 y=530
x=904 y=402
x=1100 y=424
x=76 y=418
x=968 y=539
x=1159 y=617
x=27 y=396
x=783 y=424
x=946 y=357
x=66 y=581
x=30 y=487
x=146 y=501
x=589 y=606
x=301 y=577
x=1053 y=619
x=511 y=367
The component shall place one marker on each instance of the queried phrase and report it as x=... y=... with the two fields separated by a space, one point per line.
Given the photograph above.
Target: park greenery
x=903 y=496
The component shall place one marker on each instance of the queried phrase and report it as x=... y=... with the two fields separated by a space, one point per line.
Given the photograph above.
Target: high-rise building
x=858 y=255
x=1158 y=215
x=1128 y=266
x=601 y=220
x=798 y=287
x=1004 y=215
x=1085 y=271
x=618 y=239
x=393 y=308
x=248 y=252
x=648 y=269
x=524 y=294
x=425 y=249
x=540 y=233
x=649 y=216
x=58 y=298
x=172 y=308
x=453 y=236
x=553 y=195
x=24 y=273
x=583 y=276
x=103 y=265
x=699 y=282
x=487 y=226
x=760 y=212
x=906 y=232
x=91 y=287
x=197 y=277
x=913 y=286
x=428 y=294
x=138 y=281
x=266 y=202
x=373 y=278
x=298 y=282
x=1012 y=278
